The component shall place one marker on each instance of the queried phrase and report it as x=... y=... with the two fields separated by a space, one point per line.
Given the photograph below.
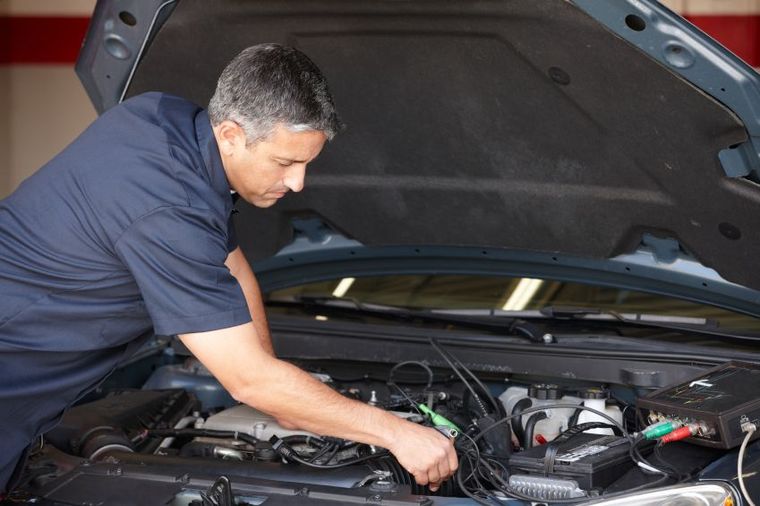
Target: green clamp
x=438 y=420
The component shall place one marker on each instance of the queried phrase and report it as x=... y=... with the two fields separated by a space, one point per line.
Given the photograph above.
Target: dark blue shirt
x=125 y=230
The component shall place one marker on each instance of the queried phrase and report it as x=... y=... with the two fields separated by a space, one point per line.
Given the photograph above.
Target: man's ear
x=229 y=137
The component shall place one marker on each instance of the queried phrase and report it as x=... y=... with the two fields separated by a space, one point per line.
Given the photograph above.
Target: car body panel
x=509 y=125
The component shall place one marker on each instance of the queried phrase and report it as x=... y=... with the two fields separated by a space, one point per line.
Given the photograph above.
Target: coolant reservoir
x=556 y=421
x=596 y=398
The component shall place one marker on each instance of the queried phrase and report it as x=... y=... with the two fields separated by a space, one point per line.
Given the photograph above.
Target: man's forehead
x=295 y=146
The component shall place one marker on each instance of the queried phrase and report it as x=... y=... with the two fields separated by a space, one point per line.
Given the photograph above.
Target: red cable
x=677 y=435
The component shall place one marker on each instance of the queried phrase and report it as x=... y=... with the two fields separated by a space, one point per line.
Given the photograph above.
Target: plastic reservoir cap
x=595 y=393
x=544 y=391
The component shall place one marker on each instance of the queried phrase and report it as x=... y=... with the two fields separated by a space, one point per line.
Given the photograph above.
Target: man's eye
x=284 y=164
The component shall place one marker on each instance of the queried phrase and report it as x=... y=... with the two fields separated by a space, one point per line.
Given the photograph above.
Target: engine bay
x=532 y=438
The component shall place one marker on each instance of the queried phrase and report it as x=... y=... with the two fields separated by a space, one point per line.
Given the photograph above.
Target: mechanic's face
x=265 y=171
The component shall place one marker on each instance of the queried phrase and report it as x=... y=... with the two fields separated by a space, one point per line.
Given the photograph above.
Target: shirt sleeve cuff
x=203 y=323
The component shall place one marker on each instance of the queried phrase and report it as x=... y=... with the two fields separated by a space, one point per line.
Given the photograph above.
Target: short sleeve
x=177 y=255
x=232 y=242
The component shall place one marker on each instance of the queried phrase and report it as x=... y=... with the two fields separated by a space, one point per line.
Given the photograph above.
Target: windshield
x=421 y=292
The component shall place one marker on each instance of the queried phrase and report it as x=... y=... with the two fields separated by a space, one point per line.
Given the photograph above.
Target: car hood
x=585 y=137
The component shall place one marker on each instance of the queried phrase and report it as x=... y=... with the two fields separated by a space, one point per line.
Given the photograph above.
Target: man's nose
x=295 y=177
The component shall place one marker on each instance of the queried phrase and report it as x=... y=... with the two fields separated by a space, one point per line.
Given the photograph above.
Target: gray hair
x=271 y=84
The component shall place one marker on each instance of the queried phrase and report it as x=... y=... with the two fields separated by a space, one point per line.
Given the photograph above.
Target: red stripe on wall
x=41 y=39
x=740 y=34
x=58 y=39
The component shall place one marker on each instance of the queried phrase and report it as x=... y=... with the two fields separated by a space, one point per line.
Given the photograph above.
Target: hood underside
x=507 y=124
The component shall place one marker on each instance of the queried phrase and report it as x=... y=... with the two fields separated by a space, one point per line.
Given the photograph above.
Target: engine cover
x=248 y=420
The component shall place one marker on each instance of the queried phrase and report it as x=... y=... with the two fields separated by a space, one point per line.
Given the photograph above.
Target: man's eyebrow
x=288 y=159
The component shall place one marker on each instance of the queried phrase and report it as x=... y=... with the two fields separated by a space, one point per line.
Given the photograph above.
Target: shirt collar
x=211 y=157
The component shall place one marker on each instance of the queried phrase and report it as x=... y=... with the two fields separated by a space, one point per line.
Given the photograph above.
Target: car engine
x=540 y=439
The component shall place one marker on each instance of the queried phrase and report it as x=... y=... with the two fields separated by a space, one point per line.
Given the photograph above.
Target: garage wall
x=44 y=107
x=5 y=142
x=43 y=104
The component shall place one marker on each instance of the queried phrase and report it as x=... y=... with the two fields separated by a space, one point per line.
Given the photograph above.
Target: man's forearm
x=258 y=315
x=253 y=376
x=290 y=394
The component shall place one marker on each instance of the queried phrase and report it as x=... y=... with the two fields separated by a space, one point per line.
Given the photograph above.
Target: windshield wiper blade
x=584 y=313
x=514 y=327
x=704 y=326
x=339 y=303
x=600 y=314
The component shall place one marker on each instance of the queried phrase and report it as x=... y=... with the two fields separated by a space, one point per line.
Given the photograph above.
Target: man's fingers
x=453 y=460
x=434 y=486
x=433 y=475
x=443 y=469
x=421 y=478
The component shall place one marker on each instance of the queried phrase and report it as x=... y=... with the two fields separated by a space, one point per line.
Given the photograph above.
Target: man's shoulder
x=144 y=156
x=171 y=113
x=158 y=101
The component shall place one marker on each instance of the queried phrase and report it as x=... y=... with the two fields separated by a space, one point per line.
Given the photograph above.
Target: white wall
x=44 y=107
x=47 y=109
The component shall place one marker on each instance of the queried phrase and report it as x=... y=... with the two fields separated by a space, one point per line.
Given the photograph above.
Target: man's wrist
x=391 y=428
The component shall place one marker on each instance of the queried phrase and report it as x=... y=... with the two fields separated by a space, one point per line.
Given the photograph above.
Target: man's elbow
x=246 y=392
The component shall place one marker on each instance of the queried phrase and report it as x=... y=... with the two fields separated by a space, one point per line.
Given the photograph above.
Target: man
x=128 y=228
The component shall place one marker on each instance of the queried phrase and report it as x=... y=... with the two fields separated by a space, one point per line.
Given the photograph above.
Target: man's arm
x=241 y=270
x=253 y=376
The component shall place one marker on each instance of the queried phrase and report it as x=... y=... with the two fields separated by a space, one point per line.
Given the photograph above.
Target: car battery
x=592 y=460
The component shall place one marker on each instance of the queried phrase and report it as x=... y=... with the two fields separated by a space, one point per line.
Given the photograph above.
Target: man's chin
x=262 y=202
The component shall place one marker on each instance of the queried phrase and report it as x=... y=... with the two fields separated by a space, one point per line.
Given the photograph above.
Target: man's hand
x=425 y=453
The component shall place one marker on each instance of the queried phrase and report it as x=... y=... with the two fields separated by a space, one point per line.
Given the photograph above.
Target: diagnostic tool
x=718 y=402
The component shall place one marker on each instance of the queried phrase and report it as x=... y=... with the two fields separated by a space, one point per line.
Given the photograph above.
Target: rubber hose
x=517 y=426
x=529 y=428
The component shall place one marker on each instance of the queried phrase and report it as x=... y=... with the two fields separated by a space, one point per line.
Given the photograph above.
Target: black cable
x=452 y=361
x=284 y=450
x=516 y=423
x=473 y=469
x=466 y=383
x=332 y=455
x=296 y=439
x=406 y=396
x=412 y=362
x=498 y=408
x=474 y=447
x=326 y=448
x=467 y=492
x=636 y=456
x=674 y=472
x=530 y=426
